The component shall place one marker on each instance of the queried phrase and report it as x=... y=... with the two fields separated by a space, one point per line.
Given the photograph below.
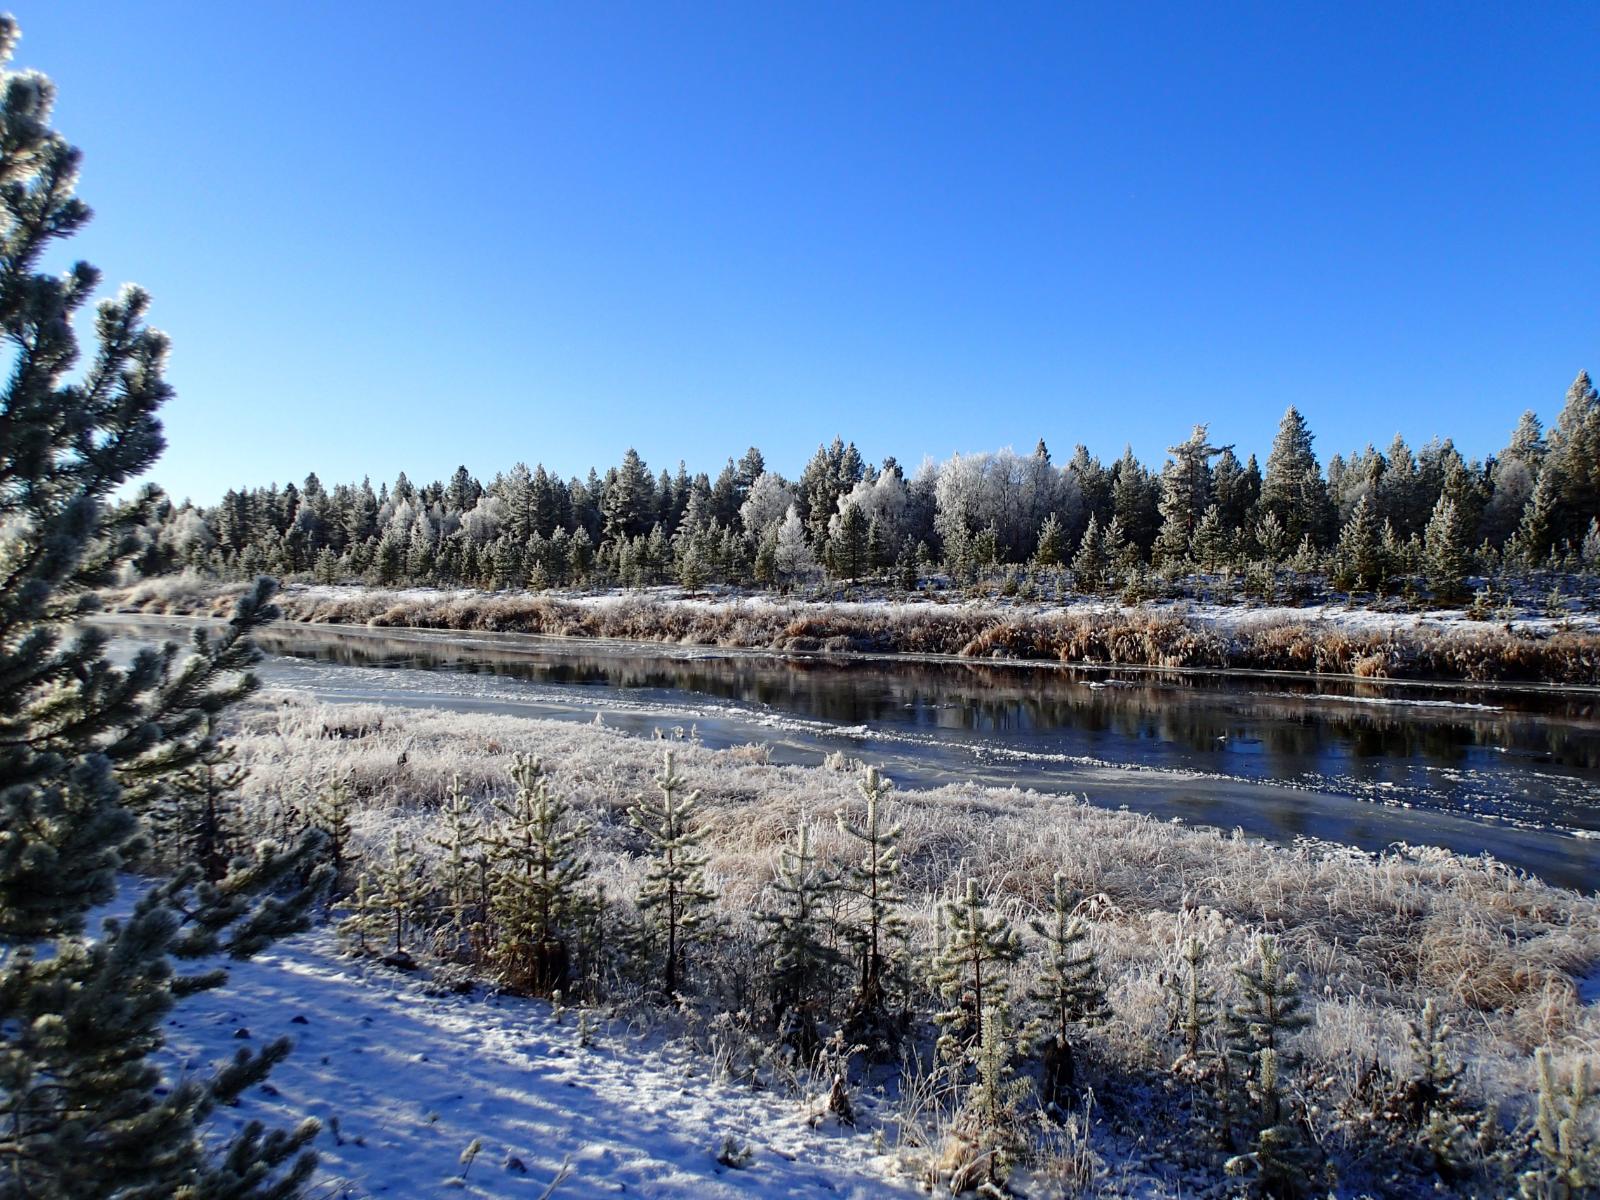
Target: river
x=1514 y=772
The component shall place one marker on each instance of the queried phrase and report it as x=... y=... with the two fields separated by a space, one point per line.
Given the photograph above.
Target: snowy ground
x=404 y=1081
x=1226 y=617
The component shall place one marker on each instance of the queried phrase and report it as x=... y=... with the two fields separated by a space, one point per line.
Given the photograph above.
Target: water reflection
x=1266 y=728
x=1474 y=769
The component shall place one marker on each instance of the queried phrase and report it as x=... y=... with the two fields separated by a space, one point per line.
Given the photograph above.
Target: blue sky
x=404 y=236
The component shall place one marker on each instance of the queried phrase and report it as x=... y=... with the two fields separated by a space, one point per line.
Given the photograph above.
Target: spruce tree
x=970 y=968
x=1051 y=550
x=1292 y=489
x=1447 y=556
x=675 y=899
x=805 y=963
x=877 y=923
x=1069 y=992
x=1358 y=557
x=87 y=746
x=536 y=875
x=1090 y=563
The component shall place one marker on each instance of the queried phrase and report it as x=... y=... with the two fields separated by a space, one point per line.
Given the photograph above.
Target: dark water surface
x=1514 y=772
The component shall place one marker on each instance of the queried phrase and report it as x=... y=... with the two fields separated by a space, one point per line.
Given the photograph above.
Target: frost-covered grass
x=1372 y=938
x=1324 y=639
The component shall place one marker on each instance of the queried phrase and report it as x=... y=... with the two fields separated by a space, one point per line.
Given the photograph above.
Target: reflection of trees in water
x=1212 y=717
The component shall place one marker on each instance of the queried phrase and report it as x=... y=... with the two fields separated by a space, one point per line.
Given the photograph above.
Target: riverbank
x=1508 y=959
x=1320 y=640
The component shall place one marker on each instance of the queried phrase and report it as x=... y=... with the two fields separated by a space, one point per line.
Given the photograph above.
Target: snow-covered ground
x=404 y=1080
x=1350 y=618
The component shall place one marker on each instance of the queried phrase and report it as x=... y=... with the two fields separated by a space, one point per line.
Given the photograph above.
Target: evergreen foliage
x=873 y=1018
x=1278 y=1163
x=1446 y=552
x=1566 y=1156
x=1069 y=992
x=988 y=1132
x=463 y=873
x=536 y=875
x=675 y=899
x=969 y=970
x=87 y=748
x=805 y=964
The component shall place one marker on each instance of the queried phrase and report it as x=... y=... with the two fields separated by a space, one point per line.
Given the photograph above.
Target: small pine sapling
x=398 y=896
x=1448 y=1131
x=986 y=1143
x=536 y=876
x=1566 y=1154
x=1195 y=1000
x=363 y=925
x=1279 y=1162
x=197 y=821
x=330 y=812
x=461 y=837
x=969 y=970
x=1069 y=993
x=675 y=899
x=805 y=965
x=872 y=882
x=1277 y=1165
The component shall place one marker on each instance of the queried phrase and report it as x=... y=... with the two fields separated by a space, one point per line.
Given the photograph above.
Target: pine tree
x=988 y=1131
x=535 y=878
x=873 y=882
x=675 y=899
x=86 y=746
x=1567 y=1164
x=1196 y=999
x=1052 y=546
x=1260 y=1028
x=398 y=895
x=198 y=821
x=330 y=813
x=847 y=543
x=1446 y=553
x=463 y=875
x=805 y=964
x=1210 y=541
x=1449 y=1130
x=1069 y=991
x=969 y=970
x=1292 y=489
x=1185 y=494
x=1358 y=557
x=1090 y=563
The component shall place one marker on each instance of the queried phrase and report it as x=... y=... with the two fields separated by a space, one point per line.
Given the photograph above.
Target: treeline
x=1424 y=521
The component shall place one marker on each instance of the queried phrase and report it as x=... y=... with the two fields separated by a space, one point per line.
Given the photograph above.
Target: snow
x=1225 y=618
x=404 y=1080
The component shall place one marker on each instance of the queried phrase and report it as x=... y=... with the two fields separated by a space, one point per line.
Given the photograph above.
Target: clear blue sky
x=406 y=236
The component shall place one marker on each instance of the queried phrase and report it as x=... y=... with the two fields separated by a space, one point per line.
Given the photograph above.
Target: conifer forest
x=1040 y=824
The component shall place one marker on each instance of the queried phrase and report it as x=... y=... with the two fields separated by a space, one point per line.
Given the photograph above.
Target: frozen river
x=1511 y=771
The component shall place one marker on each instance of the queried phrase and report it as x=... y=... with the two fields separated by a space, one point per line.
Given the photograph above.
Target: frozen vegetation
x=1379 y=947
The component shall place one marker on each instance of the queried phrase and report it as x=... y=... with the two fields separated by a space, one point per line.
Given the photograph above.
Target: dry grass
x=1372 y=937
x=1140 y=637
